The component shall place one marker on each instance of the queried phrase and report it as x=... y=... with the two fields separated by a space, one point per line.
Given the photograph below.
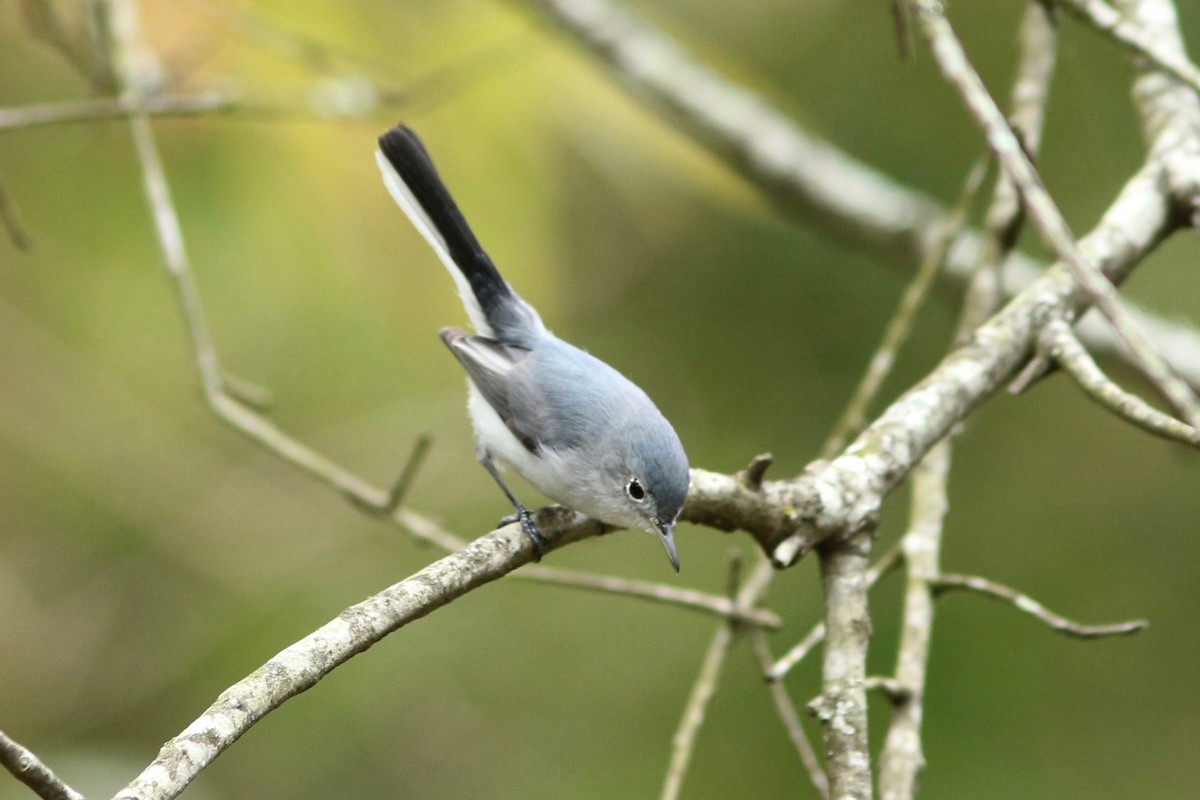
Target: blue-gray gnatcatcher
x=579 y=431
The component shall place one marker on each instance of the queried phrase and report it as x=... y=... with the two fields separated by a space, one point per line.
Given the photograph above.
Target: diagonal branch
x=705 y=686
x=955 y=67
x=804 y=174
x=26 y=767
x=302 y=665
x=1108 y=21
x=1058 y=342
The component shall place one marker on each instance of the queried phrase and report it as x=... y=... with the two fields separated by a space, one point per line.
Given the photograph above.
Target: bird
x=574 y=427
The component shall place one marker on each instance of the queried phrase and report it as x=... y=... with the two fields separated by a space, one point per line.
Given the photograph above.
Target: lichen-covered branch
x=810 y=176
x=842 y=705
x=957 y=69
x=299 y=667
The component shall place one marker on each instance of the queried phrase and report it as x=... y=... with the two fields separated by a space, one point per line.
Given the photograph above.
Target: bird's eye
x=635 y=491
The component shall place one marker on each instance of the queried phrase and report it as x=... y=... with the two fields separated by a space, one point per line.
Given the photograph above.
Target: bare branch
x=299 y=667
x=842 y=706
x=1026 y=604
x=80 y=41
x=657 y=592
x=1059 y=343
x=955 y=67
x=790 y=718
x=902 y=759
x=1107 y=20
x=10 y=217
x=892 y=558
x=1005 y=217
x=898 y=327
x=893 y=690
x=26 y=767
x=706 y=682
x=100 y=108
x=806 y=175
x=408 y=474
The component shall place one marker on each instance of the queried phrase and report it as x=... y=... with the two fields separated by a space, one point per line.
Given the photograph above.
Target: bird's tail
x=495 y=310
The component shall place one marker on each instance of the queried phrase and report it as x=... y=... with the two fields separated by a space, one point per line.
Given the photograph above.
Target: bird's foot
x=536 y=538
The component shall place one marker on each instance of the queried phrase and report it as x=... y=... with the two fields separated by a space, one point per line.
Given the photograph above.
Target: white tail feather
x=420 y=220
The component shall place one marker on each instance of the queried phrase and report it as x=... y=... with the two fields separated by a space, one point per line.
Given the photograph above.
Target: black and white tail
x=494 y=308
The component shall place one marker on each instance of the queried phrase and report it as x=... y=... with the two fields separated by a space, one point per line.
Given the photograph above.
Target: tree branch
x=788 y=715
x=705 y=686
x=902 y=759
x=1058 y=342
x=804 y=174
x=1107 y=20
x=842 y=706
x=26 y=767
x=302 y=665
x=956 y=68
x=1027 y=605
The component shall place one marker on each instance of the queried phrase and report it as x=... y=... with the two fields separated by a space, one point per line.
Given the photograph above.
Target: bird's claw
x=531 y=530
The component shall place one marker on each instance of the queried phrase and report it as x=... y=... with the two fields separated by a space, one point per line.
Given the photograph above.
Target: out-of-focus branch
x=99 y=108
x=80 y=40
x=1005 y=216
x=896 y=333
x=805 y=174
x=656 y=592
x=26 y=767
x=1027 y=605
x=902 y=759
x=1106 y=19
x=705 y=686
x=10 y=218
x=956 y=68
x=788 y=715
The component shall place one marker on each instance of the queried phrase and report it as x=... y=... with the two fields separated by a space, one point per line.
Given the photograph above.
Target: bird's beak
x=666 y=532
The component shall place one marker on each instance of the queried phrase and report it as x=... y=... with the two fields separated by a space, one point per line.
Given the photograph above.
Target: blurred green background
x=149 y=556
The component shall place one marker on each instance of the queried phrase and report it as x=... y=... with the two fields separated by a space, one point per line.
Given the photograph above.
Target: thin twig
x=1058 y=342
x=657 y=592
x=705 y=686
x=1005 y=217
x=807 y=176
x=408 y=474
x=1108 y=21
x=26 y=767
x=10 y=217
x=896 y=693
x=790 y=718
x=892 y=558
x=100 y=108
x=1026 y=604
x=80 y=41
x=902 y=759
x=899 y=326
x=955 y=67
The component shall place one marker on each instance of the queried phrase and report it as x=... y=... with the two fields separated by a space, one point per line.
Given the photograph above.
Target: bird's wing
x=493 y=367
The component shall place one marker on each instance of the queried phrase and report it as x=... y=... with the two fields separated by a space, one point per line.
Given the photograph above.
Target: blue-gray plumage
x=574 y=427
